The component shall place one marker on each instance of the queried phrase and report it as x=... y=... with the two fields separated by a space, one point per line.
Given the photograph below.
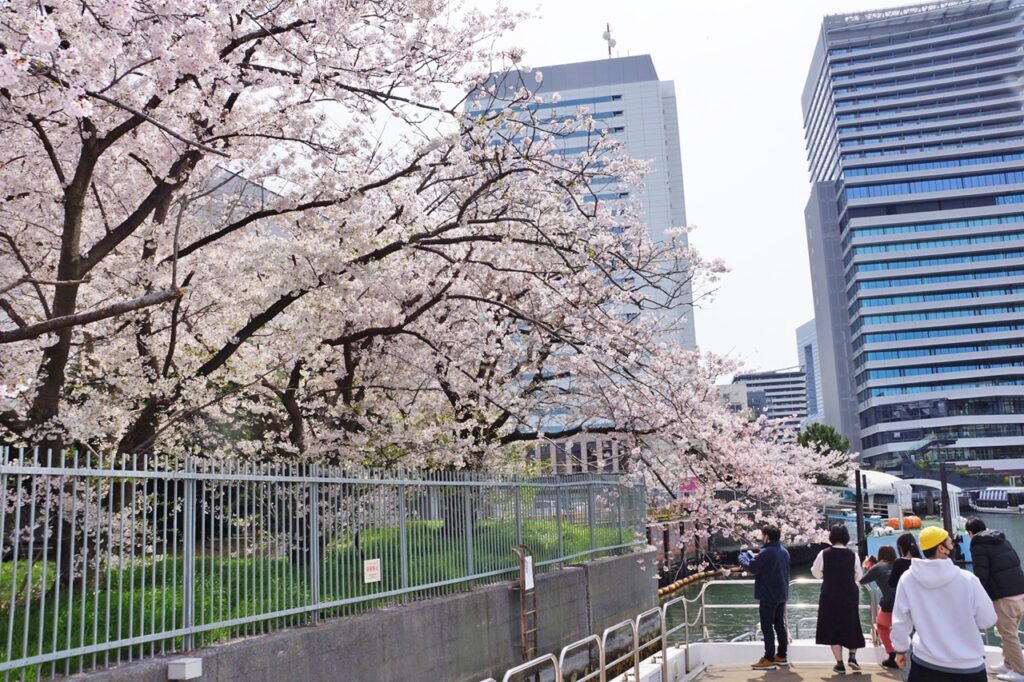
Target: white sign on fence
x=371 y=571
x=528 y=573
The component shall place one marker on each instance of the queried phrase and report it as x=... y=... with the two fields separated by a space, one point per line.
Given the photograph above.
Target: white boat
x=999 y=500
x=879 y=491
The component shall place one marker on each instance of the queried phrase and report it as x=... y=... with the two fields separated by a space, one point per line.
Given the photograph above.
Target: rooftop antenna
x=607 y=35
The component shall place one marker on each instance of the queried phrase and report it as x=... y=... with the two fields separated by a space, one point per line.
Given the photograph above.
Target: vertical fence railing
x=108 y=559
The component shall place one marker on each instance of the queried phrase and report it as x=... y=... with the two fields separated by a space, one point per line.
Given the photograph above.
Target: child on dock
x=879 y=575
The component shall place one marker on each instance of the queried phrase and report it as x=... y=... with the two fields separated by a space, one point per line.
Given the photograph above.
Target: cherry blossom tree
x=269 y=230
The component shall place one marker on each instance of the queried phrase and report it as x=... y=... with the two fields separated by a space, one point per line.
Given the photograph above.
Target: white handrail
x=533 y=663
x=589 y=639
x=635 y=650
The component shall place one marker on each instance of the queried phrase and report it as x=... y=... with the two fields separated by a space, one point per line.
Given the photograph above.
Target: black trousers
x=773 y=622
x=920 y=672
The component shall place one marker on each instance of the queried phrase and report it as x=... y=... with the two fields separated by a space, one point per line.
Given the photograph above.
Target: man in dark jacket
x=771 y=589
x=998 y=568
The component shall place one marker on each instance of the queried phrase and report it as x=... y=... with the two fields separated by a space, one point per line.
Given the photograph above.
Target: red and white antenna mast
x=607 y=35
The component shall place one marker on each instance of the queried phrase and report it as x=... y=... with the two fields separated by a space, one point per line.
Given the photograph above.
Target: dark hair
x=907 y=544
x=839 y=534
x=975 y=525
x=773 y=533
x=930 y=553
x=887 y=553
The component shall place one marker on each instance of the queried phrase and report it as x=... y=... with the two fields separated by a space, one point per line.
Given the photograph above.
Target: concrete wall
x=461 y=638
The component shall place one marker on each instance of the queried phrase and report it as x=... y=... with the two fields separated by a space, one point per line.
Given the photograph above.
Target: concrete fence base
x=461 y=638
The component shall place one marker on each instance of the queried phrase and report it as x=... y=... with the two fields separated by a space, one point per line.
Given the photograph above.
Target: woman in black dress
x=839 y=626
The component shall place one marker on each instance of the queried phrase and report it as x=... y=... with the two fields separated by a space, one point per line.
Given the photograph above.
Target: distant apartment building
x=781 y=394
x=915 y=137
x=810 y=364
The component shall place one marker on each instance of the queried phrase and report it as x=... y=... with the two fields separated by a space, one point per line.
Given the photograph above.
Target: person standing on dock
x=997 y=566
x=838 y=626
x=771 y=589
x=906 y=544
x=879 y=575
x=947 y=606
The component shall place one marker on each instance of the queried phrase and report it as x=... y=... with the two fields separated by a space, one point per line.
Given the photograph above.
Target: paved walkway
x=797 y=673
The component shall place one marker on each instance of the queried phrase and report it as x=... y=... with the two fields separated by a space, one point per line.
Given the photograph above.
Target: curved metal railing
x=546 y=659
x=578 y=644
x=634 y=652
x=696 y=605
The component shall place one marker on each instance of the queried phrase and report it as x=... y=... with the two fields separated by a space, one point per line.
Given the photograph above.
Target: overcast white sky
x=739 y=68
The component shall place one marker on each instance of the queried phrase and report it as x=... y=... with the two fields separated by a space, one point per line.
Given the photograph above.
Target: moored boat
x=999 y=500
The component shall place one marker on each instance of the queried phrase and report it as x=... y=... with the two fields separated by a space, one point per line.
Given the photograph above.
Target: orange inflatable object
x=911 y=522
x=893 y=523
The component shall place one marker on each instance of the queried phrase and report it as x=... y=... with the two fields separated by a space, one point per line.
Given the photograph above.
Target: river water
x=724 y=624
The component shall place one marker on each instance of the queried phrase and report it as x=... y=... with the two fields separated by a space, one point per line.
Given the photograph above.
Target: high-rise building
x=915 y=138
x=627 y=100
x=807 y=352
x=781 y=394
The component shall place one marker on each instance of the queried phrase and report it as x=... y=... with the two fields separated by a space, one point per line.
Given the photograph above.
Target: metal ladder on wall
x=528 y=625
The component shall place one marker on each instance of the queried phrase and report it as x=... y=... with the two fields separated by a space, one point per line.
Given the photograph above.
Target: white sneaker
x=1000 y=669
x=1011 y=677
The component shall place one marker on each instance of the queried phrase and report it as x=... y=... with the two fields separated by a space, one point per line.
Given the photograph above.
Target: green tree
x=825 y=438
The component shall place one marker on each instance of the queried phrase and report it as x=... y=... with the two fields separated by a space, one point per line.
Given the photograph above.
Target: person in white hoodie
x=948 y=608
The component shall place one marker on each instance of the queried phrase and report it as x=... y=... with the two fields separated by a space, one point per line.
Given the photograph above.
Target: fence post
x=590 y=516
x=403 y=558
x=558 y=518
x=519 y=512
x=468 y=505
x=314 y=539
x=618 y=508
x=188 y=600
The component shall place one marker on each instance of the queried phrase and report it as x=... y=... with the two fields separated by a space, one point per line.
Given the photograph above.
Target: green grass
x=147 y=598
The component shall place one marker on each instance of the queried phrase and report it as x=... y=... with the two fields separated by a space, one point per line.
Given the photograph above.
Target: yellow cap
x=932 y=536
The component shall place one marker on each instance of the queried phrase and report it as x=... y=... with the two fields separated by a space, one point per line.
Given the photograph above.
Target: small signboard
x=371 y=571
x=528 y=573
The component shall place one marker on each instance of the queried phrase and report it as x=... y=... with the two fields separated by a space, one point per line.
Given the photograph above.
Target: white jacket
x=948 y=607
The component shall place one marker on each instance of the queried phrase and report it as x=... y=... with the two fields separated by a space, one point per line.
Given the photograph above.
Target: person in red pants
x=879 y=575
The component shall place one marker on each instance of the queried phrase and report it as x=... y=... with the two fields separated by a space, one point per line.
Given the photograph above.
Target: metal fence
x=107 y=561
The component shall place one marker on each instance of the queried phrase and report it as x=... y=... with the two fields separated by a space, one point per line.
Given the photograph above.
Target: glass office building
x=626 y=100
x=807 y=354
x=915 y=137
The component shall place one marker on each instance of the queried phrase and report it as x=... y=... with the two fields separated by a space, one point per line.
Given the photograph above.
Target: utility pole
x=947 y=517
x=859 y=492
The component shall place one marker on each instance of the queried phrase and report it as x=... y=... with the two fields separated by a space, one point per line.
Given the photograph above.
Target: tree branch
x=50 y=152
x=135 y=112
x=298 y=208
x=262 y=33
x=57 y=323
x=6 y=306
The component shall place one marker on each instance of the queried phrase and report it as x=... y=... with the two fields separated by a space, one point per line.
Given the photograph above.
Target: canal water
x=725 y=623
